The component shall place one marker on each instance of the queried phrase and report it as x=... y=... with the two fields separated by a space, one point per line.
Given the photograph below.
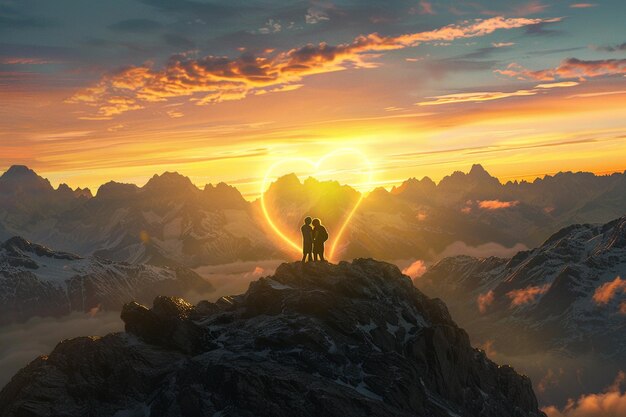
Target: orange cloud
x=597 y=94
x=424 y=7
x=611 y=403
x=416 y=269
x=485 y=300
x=582 y=5
x=474 y=97
x=257 y=272
x=175 y=114
x=605 y=292
x=213 y=79
x=562 y=84
x=568 y=68
x=477 y=97
x=526 y=295
x=549 y=380
x=24 y=61
x=487 y=347
x=532 y=7
x=496 y=204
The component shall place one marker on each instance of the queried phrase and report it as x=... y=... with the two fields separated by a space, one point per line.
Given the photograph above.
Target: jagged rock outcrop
x=38 y=281
x=351 y=339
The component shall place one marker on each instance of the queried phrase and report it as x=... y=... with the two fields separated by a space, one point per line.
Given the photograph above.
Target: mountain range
x=343 y=340
x=37 y=281
x=170 y=221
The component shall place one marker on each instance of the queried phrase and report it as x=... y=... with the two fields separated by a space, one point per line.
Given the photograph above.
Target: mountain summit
x=170 y=182
x=20 y=178
x=351 y=339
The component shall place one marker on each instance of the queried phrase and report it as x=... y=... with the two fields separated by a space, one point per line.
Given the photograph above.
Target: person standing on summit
x=307 y=240
x=320 y=235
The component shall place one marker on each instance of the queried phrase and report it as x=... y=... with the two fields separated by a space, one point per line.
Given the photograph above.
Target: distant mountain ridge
x=38 y=281
x=170 y=221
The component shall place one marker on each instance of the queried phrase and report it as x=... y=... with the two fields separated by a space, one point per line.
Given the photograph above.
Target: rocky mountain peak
x=287 y=181
x=115 y=190
x=17 y=246
x=170 y=182
x=64 y=188
x=67 y=191
x=83 y=192
x=415 y=188
x=18 y=171
x=477 y=170
x=20 y=178
x=477 y=178
x=316 y=339
x=224 y=195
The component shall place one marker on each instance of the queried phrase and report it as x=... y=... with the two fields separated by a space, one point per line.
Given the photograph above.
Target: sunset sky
x=92 y=91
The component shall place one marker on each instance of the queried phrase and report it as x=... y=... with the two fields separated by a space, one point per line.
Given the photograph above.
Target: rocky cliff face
x=38 y=281
x=343 y=340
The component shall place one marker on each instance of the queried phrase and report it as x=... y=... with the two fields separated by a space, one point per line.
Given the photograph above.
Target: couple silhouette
x=314 y=235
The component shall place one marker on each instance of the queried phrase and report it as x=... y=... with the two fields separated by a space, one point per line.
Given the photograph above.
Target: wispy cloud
x=605 y=293
x=479 y=96
x=563 y=84
x=484 y=301
x=526 y=295
x=502 y=44
x=315 y=15
x=24 y=61
x=610 y=403
x=582 y=5
x=416 y=269
x=213 y=79
x=611 y=48
x=597 y=94
x=474 y=97
x=271 y=26
x=532 y=7
x=175 y=114
x=424 y=7
x=496 y=204
x=568 y=69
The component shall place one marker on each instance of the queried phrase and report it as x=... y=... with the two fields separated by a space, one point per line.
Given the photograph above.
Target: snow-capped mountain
x=27 y=199
x=37 y=281
x=568 y=294
x=317 y=339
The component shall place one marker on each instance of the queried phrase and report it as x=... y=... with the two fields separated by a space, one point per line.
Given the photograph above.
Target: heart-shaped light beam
x=315 y=165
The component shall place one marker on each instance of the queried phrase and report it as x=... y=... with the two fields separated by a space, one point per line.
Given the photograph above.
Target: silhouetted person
x=307 y=240
x=320 y=235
